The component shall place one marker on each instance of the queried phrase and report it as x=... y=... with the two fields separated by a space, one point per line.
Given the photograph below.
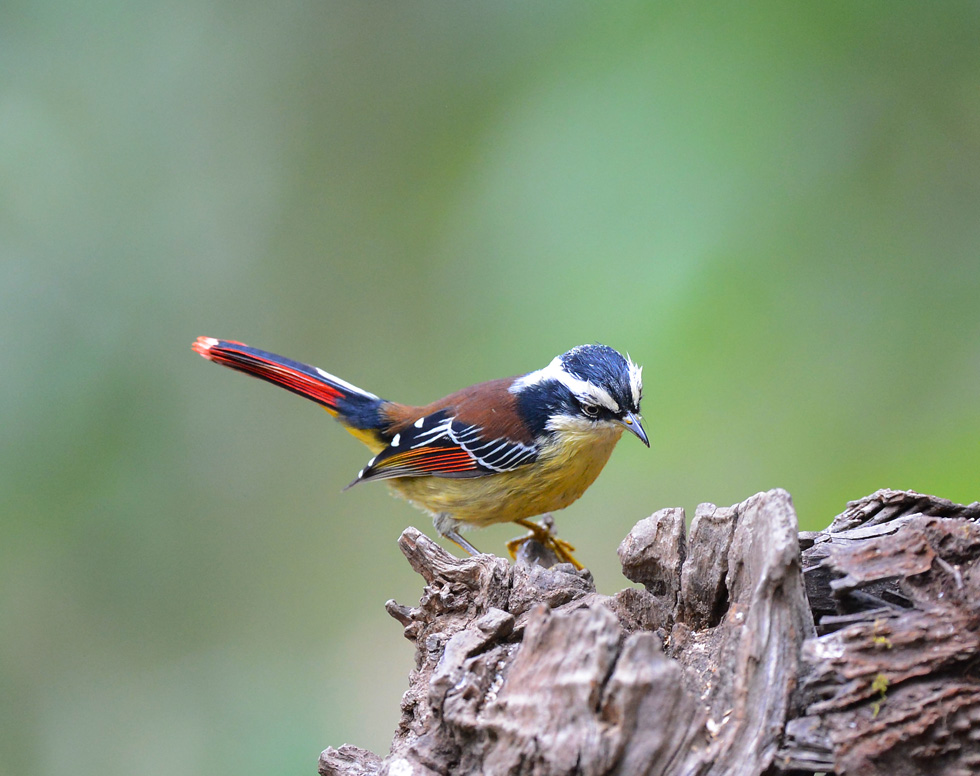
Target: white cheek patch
x=575 y=423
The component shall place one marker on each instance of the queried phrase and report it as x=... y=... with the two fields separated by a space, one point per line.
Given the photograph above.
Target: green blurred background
x=774 y=208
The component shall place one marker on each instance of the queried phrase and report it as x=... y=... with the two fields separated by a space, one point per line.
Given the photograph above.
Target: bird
x=504 y=450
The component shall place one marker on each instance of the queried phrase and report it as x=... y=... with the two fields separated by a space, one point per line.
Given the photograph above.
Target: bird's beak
x=633 y=424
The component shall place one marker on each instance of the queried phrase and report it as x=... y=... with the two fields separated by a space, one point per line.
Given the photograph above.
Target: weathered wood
x=704 y=594
x=894 y=687
x=744 y=668
x=349 y=761
x=714 y=666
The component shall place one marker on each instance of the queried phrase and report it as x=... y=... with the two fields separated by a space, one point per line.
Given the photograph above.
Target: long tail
x=359 y=411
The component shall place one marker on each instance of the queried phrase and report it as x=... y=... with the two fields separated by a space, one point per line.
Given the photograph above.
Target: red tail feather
x=299 y=378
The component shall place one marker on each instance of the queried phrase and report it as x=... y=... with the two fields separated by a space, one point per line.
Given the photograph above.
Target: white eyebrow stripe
x=592 y=394
x=583 y=390
x=549 y=372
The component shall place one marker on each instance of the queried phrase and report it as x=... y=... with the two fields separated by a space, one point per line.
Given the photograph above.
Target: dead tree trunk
x=715 y=665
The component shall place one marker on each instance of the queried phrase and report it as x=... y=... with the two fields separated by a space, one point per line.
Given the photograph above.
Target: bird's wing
x=439 y=445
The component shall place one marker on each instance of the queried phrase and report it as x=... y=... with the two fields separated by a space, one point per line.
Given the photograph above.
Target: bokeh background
x=775 y=208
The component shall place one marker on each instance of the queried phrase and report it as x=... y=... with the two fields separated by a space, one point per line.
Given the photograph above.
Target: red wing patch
x=438 y=461
x=437 y=445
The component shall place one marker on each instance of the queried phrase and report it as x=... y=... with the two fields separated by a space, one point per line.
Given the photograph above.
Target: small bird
x=501 y=451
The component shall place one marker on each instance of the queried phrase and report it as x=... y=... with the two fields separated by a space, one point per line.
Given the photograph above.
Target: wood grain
x=746 y=648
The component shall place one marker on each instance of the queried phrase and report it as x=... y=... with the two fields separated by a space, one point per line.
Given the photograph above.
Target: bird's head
x=589 y=387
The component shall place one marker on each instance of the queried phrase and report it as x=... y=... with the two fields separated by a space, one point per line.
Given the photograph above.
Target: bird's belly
x=562 y=473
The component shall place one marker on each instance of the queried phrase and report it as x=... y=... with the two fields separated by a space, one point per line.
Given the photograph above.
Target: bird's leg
x=446 y=526
x=545 y=535
x=453 y=535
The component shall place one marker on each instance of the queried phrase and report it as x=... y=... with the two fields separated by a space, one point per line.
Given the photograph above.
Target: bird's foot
x=544 y=534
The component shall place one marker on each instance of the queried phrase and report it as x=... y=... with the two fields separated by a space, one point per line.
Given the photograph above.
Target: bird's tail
x=359 y=411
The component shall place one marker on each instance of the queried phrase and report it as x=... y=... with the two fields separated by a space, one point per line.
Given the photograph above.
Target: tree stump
x=714 y=665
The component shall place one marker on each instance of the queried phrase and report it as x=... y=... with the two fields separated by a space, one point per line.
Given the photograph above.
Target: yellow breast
x=565 y=468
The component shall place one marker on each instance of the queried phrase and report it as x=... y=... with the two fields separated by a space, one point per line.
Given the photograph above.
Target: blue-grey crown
x=606 y=368
x=591 y=381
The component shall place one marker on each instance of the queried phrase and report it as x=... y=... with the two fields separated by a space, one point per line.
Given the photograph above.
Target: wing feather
x=439 y=445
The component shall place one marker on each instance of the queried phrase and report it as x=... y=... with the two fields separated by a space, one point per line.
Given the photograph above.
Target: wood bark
x=745 y=648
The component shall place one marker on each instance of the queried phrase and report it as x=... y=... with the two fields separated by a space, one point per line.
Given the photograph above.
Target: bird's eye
x=592 y=410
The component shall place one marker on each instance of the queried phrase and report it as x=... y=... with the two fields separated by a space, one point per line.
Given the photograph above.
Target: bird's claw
x=546 y=537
